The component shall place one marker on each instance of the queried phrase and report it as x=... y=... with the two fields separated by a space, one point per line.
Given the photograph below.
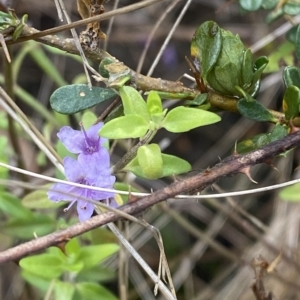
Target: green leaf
x=297 y=44
x=181 y=119
x=130 y=126
x=269 y=4
x=253 y=110
x=73 y=247
x=262 y=139
x=199 y=100
x=283 y=53
x=150 y=161
x=154 y=104
x=39 y=200
x=88 y=119
x=26 y=228
x=93 y=255
x=64 y=290
x=73 y=98
x=133 y=103
x=39 y=282
x=207 y=36
x=13 y=207
x=274 y=15
x=291 y=8
x=292 y=34
x=172 y=165
x=291 y=76
x=291 y=193
x=251 y=5
x=93 y=291
x=44 y=265
x=291 y=101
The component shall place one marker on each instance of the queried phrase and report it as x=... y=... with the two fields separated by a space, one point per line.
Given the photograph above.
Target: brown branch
x=230 y=166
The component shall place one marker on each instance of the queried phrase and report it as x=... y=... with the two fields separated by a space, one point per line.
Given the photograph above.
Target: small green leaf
x=106 y=61
x=73 y=98
x=253 y=110
x=297 y=44
x=291 y=193
x=44 y=265
x=133 y=102
x=181 y=119
x=278 y=132
x=291 y=101
x=291 y=8
x=150 y=161
x=93 y=255
x=130 y=126
x=199 y=100
x=291 y=76
x=274 y=15
x=37 y=224
x=73 y=247
x=154 y=104
x=93 y=291
x=88 y=119
x=251 y=5
x=39 y=200
x=173 y=165
x=64 y=290
x=269 y=4
x=292 y=34
x=13 y=207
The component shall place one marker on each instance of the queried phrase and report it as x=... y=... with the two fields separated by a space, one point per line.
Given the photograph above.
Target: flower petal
x=72 y=139
x=84 y=210
x=61 y=191
x=73 y=169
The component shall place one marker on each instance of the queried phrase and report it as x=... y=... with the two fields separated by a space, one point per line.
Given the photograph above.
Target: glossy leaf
x=44 y=265
x=130 y=126
x=291 y=76
x=207 y=37
x=181 y=119
x=73 y=98
x=133 y=102
x=291 y=102
x=292 y=34
x=93 y=291
x=251 y=5
x=150 y=161
x=253 y=110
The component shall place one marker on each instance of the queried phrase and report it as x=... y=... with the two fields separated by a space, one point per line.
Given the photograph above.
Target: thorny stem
x=228 y=167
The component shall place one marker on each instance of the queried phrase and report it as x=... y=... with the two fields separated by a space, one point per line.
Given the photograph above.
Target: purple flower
x=86 y=170
x=85 y=143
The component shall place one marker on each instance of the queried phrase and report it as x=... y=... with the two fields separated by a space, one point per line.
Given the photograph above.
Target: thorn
x=270 y=163
x=246 y=171
x=131 y=198
x=235 y=149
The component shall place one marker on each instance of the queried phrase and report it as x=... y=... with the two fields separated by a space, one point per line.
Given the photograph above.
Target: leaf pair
x=140 y=116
